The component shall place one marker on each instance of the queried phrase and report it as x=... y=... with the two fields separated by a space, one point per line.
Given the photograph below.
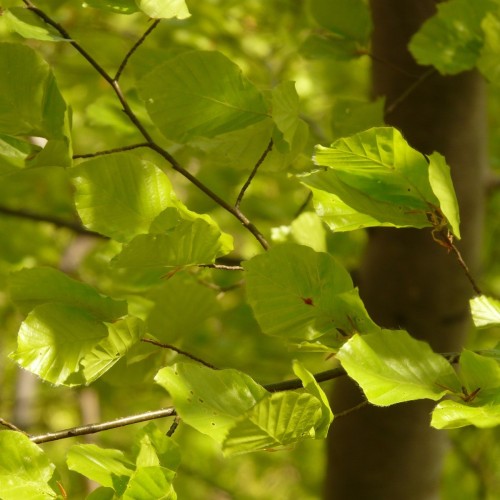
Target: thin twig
x=104 y=426
x=134 y=48
x=10 y=425
x=223 y=267
x=111 y=151
x=350 y=410
x=179 y=351
x=290 y=385
x=76 y=228
x=387 y=63
x=404 y=95
x=252 y=174
x=304 y=205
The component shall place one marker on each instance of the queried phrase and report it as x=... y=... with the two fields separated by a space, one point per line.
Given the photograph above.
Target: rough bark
x=407 y=280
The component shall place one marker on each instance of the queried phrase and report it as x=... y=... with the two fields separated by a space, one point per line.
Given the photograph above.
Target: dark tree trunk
x=407 y=280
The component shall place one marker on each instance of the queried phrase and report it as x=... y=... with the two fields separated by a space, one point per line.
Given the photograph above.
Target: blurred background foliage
x=266 y=40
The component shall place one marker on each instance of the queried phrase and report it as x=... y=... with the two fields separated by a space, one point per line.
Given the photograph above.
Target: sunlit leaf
x=165 y=9
x=482 y=412
x=200 y=94
x=303 y=295
x=122 y=336
x=116 y=6
x=54 y=338
x=278 y=420
x=479 y=372
x=150 y=482
x=120 y=195
x=27 y=24
x=107 y=467
x=285 y=110
x=41 y=285
x=187 y=244
x=379 y=175
x=392 y=367
x=452 y=39
x=313 y=388
x=489 y=60
x=25 y=470
x=210 y=400
x=307 y=229
x=485 y=311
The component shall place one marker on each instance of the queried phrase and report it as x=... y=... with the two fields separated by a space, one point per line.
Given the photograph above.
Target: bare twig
x=290 y=385
x=179 y=351
x=111 y=151
x=104 y=426
x=10 y=425
x=76 y=228
x=350 y=410
x=134 y=48
x=404 y=95
x=252 y=174
x=173 y=427
x=304 y=205
x=223 y=267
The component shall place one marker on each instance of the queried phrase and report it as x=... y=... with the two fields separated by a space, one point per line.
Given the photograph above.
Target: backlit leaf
x=485 y=311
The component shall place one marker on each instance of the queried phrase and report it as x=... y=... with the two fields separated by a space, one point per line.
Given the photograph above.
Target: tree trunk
x=407 y=280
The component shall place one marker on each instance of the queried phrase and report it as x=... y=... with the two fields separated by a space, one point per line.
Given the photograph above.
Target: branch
x=142 y=129
x=104 y=426
x=350 y=410
x=223 y=267
x=134 y=48
x=111 y=151
x=304 y=204
x=252 y=174
x=180 y=351
x=76 y=228
x=10 y=425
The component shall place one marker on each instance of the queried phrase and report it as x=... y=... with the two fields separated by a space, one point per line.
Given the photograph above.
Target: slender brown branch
x=173 y=427
x=104 y=426
x=304 y=205
x=179 y=351
x=290 y=385
x=76 y=228
x=387 y=63
x=223 y=267
x=10 y=425
x=252 y=174
x=134 y=48
x=404 y=95
x=111 y=151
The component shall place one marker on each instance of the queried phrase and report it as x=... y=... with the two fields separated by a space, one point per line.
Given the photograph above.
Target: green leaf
x=180 y=293
x=188 y=244
x=479 y=372
x=27 y=24
x=350 y=116
x=378 y=174
x=54 y=338
x=120 y=195
x=122 y=335
x=210 y=400
x=349 y=19
x=489 y=60
x=116 y=6
x=442 y=186
x=483 y=412
x=331 y=47
x=150 y=482
x=339 y=216
x=392 y=367
x=164 y=9
x=25 y=470
x=278 y=420
x=40 y=285
x=30 y=102
x=290 y=287
x=313 y=388
x=307 y=229
x=452 y=39
x=285 y=110
x=485 y=311
x=200 y=94
x=107 y=467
